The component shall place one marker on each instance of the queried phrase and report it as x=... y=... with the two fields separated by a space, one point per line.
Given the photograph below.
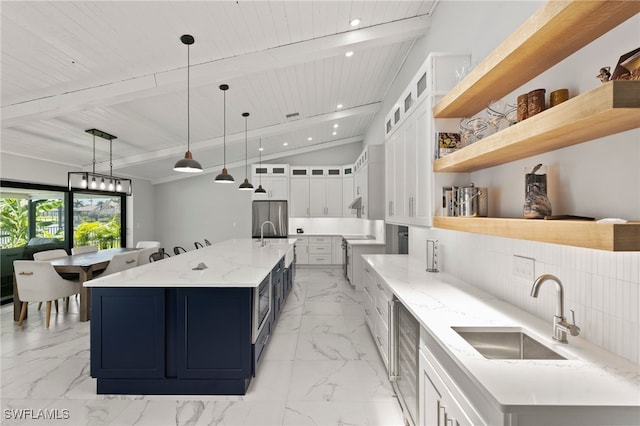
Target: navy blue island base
x=178 y=341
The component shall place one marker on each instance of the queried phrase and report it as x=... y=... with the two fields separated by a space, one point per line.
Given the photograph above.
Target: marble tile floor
x=321 y=368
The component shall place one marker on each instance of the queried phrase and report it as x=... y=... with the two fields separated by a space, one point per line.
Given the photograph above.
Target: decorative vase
x=536 y=202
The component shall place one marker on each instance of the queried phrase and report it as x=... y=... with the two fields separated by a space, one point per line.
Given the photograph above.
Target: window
x=97 y=220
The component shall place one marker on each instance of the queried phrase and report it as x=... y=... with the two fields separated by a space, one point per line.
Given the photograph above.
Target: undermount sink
x=505 y=343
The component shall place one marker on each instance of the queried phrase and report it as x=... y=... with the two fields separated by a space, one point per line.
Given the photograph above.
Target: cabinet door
x=279 y=189
x=423 y=204
x=347 y=196
x=317 y=202
x=302 y=251
x=299 y=197
x=364 y=188
x=389 y=177
x=336 y=250
x=333 y=197
x=205 y=348
x=399 y=204
x=410 y=164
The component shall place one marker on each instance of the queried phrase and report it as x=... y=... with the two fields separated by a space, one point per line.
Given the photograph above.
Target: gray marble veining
x=321 y=367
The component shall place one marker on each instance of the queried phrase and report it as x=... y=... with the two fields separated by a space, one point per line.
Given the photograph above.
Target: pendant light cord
x=224 y=128
x=110 y=157
x=260 y=160
x=188 y=101
x=246 y=151
x=94 y=153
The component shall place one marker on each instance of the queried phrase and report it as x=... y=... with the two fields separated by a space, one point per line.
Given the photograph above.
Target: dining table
x=84 y=265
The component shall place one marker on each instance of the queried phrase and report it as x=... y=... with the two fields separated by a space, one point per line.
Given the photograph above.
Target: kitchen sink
x=505 y=343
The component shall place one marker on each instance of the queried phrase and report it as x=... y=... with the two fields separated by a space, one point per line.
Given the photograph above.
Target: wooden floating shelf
x=554 y=32
x=610 y=108
x=599 y=236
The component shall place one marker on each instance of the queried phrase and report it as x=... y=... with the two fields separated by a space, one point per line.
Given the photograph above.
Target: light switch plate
x=524 y=267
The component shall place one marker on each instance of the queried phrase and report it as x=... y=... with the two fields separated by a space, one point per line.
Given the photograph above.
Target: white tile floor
x=321 y=368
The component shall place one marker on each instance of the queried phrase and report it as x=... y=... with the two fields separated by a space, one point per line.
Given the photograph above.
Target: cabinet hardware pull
x=25 y=273
x=379 y=311
x=130 y=261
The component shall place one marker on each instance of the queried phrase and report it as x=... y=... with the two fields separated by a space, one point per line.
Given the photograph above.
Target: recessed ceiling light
x=285 y=143
x=355 y=22
x=339 y=106
x=349 y=54
x=261 y=149
x=335 y=133
x=335 y=126
x=309 y=138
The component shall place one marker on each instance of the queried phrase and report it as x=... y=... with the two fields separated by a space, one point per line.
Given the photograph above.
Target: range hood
x=356 y=203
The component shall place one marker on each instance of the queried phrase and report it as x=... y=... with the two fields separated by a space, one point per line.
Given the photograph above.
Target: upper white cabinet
x=274 y=178
x=347 y=191
x=299 y=192
x=369 y=182
x=410 y=139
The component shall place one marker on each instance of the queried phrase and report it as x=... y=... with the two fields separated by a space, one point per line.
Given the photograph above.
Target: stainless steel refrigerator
x=273 y=211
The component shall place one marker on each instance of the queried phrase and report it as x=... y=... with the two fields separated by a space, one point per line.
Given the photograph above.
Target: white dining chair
x=50 y=254
x=148 y=244
x=143 y=255
x=84 y=249
x=121 y=261
x=38 y=281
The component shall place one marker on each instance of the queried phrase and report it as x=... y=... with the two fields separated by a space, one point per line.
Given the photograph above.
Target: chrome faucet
x=262 y=231
x=560 y=325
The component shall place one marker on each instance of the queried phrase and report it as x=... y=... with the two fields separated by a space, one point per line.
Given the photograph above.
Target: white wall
x=24 y=169
x=599 y=178
x=196 y=208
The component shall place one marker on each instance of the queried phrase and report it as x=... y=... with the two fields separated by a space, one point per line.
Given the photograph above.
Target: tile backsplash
x=601 y=287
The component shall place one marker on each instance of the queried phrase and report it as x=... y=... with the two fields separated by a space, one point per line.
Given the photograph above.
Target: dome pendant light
x=260 y=189
x=246 y=185
x=188 y=164
x=224 y=177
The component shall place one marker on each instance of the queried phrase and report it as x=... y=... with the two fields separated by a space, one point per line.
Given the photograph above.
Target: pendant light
x=224 y=177
x=97 y=182
x=188 y=164
x=260 y=189
x=246 y=185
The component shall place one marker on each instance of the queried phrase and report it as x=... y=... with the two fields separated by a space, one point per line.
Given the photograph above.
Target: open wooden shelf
x=599 y=236
x=610 y=108
x=554 y=32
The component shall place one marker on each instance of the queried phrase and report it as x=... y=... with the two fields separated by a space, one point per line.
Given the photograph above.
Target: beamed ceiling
x=119 y=66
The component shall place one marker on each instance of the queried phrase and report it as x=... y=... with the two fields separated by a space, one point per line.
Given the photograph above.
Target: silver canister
x=471 y=201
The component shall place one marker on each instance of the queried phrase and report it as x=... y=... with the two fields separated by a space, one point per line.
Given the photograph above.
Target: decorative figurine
x=605 y=74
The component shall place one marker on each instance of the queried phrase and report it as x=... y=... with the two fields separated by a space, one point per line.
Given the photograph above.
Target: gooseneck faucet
x=560 y=325
x=262 y=231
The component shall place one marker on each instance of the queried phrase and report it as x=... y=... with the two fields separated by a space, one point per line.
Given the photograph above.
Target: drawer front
x=320 y=259
x=383 y=288
x=369 y=317
x=382 y=307
x=320 y=240
x=320 y=249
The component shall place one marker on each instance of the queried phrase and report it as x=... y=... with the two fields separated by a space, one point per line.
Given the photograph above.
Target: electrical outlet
x=524 y=267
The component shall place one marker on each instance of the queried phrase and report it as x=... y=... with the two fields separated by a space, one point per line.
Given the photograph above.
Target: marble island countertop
x=590 y=376
x=232 y=263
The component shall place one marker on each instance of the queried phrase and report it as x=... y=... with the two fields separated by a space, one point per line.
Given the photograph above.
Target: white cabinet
x=440 y=399
x=347 y=191
x=302 y=250
x=274 y=178
x=410 y=139
x=320 y=250
x=369 y=182
x=327 y=197
x=375 y=298
x=336 y=251
x=299 y=197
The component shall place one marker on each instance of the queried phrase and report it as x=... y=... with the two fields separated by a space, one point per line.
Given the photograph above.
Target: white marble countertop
x=590 y=376
x=232 y=263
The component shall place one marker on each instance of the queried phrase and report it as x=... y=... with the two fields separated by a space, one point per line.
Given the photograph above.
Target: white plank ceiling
x=119 y=66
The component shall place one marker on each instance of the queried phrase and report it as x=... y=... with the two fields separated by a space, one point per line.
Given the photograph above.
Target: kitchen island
x=196 y=323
